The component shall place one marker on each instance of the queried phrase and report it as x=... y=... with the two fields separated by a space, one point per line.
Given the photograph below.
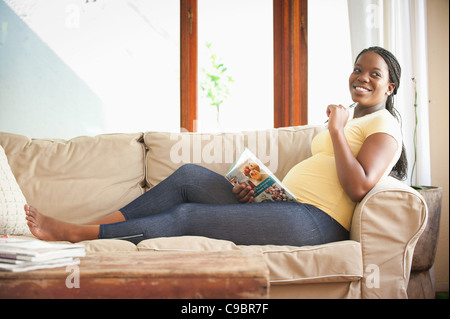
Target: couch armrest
x=388 y=223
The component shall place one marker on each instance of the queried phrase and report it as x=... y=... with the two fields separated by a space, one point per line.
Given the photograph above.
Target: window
x=289 y=63
x=124 y=66
x=239 y=36
x=127 y=52
x=77 y=67
x=328 y=77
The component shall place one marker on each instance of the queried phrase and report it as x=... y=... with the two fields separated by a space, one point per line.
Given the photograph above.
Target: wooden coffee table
x=228 y=274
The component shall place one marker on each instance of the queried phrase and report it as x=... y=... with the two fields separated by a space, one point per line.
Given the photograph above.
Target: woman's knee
x=189 y=169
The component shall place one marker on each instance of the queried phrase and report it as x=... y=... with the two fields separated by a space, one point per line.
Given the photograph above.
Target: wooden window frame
x=290 y=63
x=188 y=65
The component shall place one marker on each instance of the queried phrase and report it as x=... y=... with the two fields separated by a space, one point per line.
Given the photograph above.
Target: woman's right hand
x=243 y=193
x=337 y=117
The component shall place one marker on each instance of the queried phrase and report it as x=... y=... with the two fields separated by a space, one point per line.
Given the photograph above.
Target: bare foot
x=50 y=229
x=43 y=227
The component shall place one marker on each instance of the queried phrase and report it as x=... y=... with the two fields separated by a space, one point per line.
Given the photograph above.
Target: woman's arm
x=359 y=175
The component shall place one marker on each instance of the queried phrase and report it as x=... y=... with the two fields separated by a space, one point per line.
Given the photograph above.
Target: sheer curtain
x=400 y=27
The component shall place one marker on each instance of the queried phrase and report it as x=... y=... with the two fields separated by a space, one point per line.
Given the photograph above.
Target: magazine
x=249 y=170
x=22 y=255
x=21 y=265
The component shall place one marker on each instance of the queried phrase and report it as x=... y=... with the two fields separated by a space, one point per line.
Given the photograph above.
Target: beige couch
x=86 y=178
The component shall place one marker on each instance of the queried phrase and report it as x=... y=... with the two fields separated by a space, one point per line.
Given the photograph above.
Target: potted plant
x=215 y=85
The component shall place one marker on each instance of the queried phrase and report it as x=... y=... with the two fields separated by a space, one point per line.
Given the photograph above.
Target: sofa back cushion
x=279 y=149
x=77 y=180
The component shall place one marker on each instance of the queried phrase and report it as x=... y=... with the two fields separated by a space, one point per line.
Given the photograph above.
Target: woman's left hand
x=337 y=117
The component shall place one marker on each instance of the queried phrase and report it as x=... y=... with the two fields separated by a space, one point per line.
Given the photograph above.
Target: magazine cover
x=249 y=170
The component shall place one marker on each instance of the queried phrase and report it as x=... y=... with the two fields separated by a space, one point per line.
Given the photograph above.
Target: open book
x=24 y=255
x=249 y=170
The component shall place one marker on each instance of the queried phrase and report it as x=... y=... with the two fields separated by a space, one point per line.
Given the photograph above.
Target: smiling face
x=369 y=82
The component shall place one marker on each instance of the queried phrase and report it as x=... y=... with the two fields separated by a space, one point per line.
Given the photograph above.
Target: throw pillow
x=12 y=201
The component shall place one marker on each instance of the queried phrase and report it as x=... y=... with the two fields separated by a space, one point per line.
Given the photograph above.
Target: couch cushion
x=78 y=180
x=185 y=243
x=12 y=201
x=108 y=245
x=94 y=246
x=274 y=147
x=333 y=262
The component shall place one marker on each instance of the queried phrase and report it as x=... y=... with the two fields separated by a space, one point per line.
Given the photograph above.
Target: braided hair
x=400 y=169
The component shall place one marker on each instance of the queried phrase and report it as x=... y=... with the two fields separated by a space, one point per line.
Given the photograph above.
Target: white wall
x=438 y=64
x=71 y=67
x=40 y=96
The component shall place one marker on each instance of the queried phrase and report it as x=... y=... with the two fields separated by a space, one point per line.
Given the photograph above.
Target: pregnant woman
x=348 y=159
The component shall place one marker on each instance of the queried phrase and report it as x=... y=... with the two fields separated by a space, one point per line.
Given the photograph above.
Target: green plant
x=415 y=138
x=215 y=85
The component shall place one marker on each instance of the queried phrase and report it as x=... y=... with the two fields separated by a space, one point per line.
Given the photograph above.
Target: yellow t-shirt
x=315 y=181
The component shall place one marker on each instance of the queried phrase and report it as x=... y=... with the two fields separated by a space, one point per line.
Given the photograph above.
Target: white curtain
x=400 y=27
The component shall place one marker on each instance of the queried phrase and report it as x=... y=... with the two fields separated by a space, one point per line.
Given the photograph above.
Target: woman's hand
x=337 y=117
x=243 y=193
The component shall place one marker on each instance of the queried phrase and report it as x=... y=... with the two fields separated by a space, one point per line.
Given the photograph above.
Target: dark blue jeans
x=198 y=202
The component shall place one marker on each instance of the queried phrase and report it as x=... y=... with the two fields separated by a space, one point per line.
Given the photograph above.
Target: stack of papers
x=23 y=255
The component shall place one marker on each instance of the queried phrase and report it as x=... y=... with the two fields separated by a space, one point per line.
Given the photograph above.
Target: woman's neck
x=361 y=110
